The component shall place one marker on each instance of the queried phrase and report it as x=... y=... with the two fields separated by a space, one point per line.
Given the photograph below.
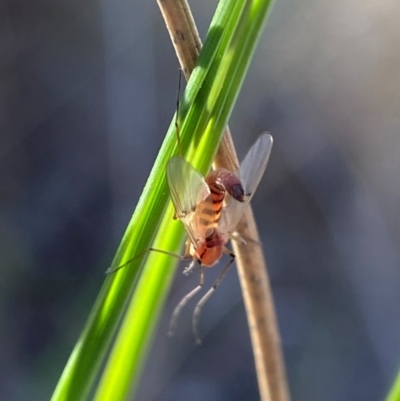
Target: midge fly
x=210 y=209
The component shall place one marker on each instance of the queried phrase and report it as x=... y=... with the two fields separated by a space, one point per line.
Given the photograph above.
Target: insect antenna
x=177 y=114
x=200 y=304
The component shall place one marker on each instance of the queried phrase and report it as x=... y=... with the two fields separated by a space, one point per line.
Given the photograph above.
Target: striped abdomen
x=208 y=212
x=209 y=251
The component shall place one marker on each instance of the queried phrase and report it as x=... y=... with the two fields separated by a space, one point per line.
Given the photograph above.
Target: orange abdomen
x=208 y=213
x=220 y=181
x=210 y=251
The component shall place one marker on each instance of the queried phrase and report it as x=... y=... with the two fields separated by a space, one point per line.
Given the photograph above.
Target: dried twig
x=250 y=259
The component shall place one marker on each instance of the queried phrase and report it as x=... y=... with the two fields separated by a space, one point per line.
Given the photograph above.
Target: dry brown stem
x=251 y=265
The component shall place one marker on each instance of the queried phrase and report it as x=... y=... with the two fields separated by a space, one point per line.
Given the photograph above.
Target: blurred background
x=88 y=89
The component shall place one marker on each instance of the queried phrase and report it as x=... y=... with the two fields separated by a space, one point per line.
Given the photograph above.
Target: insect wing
x=251 y=170
x=188 y=188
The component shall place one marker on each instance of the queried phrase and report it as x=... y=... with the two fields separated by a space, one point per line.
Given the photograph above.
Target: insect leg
x=177 y=114
x=175 y=255
x=236 y=237
x=200 y=304
x=183 y=302
x=190 y=268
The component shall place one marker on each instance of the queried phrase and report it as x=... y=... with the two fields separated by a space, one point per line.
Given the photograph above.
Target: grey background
x=87 y=92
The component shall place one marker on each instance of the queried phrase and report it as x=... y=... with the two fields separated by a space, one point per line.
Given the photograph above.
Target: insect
x=210 y=209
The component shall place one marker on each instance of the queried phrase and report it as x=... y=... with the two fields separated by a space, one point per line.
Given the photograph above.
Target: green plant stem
x=394 y=394
x=201 y=130
x=227 y=71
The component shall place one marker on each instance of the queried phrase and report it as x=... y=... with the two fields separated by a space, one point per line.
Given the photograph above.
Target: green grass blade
x=205 y=109
x=394 y=394
x=205 y=120
x=88 y=355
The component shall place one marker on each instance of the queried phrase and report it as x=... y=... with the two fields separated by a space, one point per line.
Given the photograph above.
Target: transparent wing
x=188 y=189
x=251 y=170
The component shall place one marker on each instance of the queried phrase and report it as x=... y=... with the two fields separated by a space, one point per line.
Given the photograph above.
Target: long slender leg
x=177 y=114
x=235 y=236
x=189 y=269
x=175 y=314
x=200 y=304
x=175 y=255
